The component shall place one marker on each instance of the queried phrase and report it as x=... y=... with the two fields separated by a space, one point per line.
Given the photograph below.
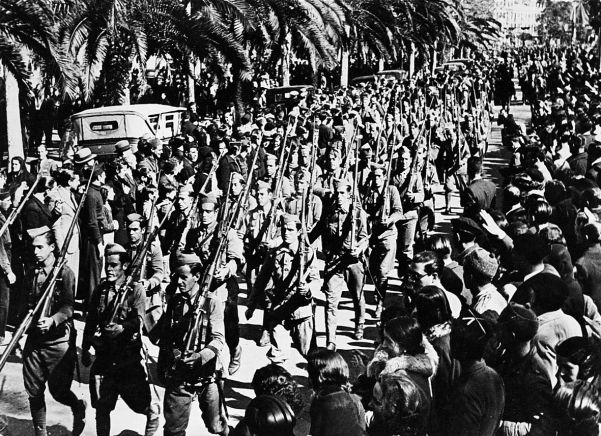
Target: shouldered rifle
x=16 y=211
x=385 y=210
x=45 y=300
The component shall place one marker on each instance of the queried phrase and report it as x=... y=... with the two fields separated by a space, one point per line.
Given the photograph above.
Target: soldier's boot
x=235 y=360
x=79 y=417
x=103 y=423
x=152 y=420
x=37 y=406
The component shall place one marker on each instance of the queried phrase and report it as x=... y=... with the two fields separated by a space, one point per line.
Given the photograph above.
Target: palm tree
x=26 y=30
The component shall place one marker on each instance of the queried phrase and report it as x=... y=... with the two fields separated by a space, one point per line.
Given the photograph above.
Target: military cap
x=134 y=218
x=112 y=249
x=122 y=146
x=340 y=182
x=270 y=157
x=262 y=185
x=185 y=189
x=466 y=226
x=366 y=146
x=39 y=231
x=377 y=166
x=300 y=130
x=4 y=194
x=187 y=259
x=236 y=176
x=209 y=199
x=288 y=218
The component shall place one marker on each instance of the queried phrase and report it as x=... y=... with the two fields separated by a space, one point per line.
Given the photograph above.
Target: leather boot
x=38 y=415
x=79 y=417
x=235 y=361
x=103 y=423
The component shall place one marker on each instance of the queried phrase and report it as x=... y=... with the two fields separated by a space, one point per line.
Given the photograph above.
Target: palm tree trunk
x=411 y=60
x=14 y=136
x=286 y=58
x=344 y=60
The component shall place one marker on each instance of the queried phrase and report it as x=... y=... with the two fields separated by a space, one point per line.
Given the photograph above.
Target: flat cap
x=39 y=231
x=481 y=262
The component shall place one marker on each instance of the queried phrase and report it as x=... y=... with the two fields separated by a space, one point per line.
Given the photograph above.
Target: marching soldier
x=50 y=352
x=290 y=297
x=324 y=187
x=343 y=230
x=177 y=223
x=203 y=241
x=384 y=208
x=200 y=371
x=152 y=271
x=271 y=168
x=258 y=240
x=293 y=205
x=114 y=329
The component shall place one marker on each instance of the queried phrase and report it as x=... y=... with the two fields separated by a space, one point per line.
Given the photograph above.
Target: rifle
x=43 y=302
x=386 y=205
x=13 y=215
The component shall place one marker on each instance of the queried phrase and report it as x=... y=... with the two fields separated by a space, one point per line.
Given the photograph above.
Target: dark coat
x=335 y=412
x=35 y=214
x=589 y=273
x=91 y=216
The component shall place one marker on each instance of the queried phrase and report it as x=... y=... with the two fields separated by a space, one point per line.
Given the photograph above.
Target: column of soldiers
x=347 y=177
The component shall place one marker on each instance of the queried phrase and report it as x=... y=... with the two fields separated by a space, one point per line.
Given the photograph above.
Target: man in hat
x=384 y=210
x=92 y=245
x=197 y=371
x=294 y=203
x=228 y=165
x=479 y=269
x=522 y=371
x=204 y=241
x=151 y=271
x=260 y=234
x=113 y=328
x=343 y=230
x=50 y=353
x=176 y=224
x=84 y=158
x=125 y=152
x=411 y=190
x=466 y=232
x=324 y=185
x=480 y=193
x=290 y=297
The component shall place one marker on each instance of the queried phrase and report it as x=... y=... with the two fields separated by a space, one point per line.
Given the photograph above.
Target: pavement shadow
x=234 y=398
x=10 y=426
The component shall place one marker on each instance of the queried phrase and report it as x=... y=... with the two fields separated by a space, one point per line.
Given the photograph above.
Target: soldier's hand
x=113 y=330
x=86 y=358
x=190 y=360
x=44 y=324
x=222 y=274
x=249 y=313
x=304 y=289
x=11 y=277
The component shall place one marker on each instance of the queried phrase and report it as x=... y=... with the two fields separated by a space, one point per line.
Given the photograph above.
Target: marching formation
x=497 y=327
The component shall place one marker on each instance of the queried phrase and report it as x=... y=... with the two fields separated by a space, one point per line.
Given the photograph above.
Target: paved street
x=14 y=408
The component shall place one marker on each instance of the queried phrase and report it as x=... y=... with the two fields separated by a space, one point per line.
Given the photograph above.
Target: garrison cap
x=209 y=199
x=122 y=146
x=341 y=182
x=236 y=176
x=112 y=249
x=4 y=194
x=270 y=157
x=288 y=218
x=187 y=259
x=185 y=189
x=262 y=185
x=134 y=218
x=39 y=231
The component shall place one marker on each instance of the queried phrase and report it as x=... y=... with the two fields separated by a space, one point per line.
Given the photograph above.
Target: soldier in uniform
x=152 y=271
x=203 y=240
x=257 y=239
x=384 y=210
x=271 y=168
x=50 y=353
x=294 y=203
x=176 y=224
x=290 y=297
x=200 y=371
x=343 y=254
x=118 y=369
x=324 y=187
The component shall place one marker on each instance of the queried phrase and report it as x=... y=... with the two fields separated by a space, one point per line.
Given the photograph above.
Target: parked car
x=399 y=75
x=289 y=95
x=101 y=128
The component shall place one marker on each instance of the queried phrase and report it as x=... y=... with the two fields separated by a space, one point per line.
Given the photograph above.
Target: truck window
x=153 y=120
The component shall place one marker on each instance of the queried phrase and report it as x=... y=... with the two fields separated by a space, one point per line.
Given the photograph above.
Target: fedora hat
x=83 y=155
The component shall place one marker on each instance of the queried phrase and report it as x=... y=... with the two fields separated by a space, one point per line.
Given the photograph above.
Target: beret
x=122 y=146
x=187 y=259
x=39 y=231
x=112 y=249
x=481 y=262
